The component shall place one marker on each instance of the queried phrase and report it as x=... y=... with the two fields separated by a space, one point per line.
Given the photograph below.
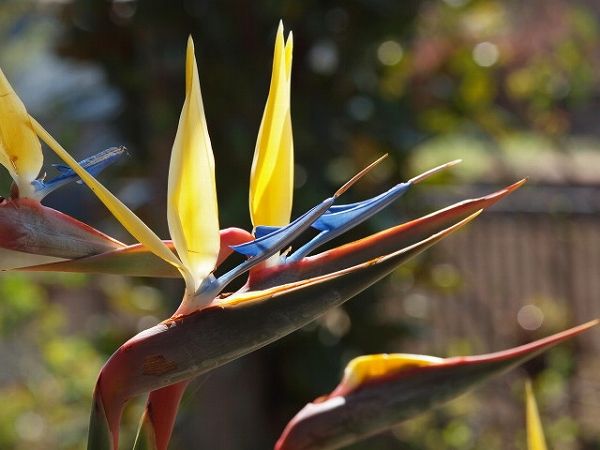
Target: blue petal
x=266 y=245
x=271 y=243
x=342 y=215
x=339 y=219
x=94 y=165
x=338 y=208
x=263 y=230
x=62 y=168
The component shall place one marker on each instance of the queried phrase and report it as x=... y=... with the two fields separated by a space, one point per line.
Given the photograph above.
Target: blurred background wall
x=510 y=87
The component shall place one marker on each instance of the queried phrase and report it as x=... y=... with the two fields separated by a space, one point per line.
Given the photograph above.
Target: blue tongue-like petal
x=352 y=214
x=341 y=218
x=94 y=165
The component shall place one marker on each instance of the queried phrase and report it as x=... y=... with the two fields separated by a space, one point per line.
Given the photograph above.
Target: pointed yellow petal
x=272 y=177
x=535 y=432
x=192 y=201
x=20 y=149
x=122 y=213
x=289 y=49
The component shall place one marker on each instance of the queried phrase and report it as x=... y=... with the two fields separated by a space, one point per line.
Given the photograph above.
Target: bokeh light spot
x=416 y=305
x=530 y=317
x=323 y=57
x=389 y=53
x=337 y=322
x=146 y=298
x=485 y=54
x=445 y=276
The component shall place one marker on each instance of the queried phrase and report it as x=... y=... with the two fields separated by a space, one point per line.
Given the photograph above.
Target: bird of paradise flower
x=284 y=291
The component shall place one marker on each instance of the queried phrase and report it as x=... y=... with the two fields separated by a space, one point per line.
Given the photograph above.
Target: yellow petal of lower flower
x=272 y=177
x=20 y=149
x=535 y=432
x=122 y=213
x=192 y=198
x=372 y=367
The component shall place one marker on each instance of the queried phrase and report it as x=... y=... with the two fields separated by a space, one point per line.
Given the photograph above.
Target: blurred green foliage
x=53 y=346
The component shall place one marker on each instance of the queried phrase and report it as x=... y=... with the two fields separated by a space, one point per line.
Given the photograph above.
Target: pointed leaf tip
x=433 y=171
x=193 y=224
x=518 y=184
x=352 y=181
x=535 y=431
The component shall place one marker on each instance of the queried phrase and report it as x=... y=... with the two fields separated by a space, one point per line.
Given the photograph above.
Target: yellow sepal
x=535 y=432
x=192 y=212
x=371 y=367
x=20 y=149
x=122 y=213
x=272 y=176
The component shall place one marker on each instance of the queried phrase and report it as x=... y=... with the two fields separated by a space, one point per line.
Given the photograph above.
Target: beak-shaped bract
x=379 y=391
x=272 y=176
x=192 y=207
x=20 y=149
x=188 y=345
